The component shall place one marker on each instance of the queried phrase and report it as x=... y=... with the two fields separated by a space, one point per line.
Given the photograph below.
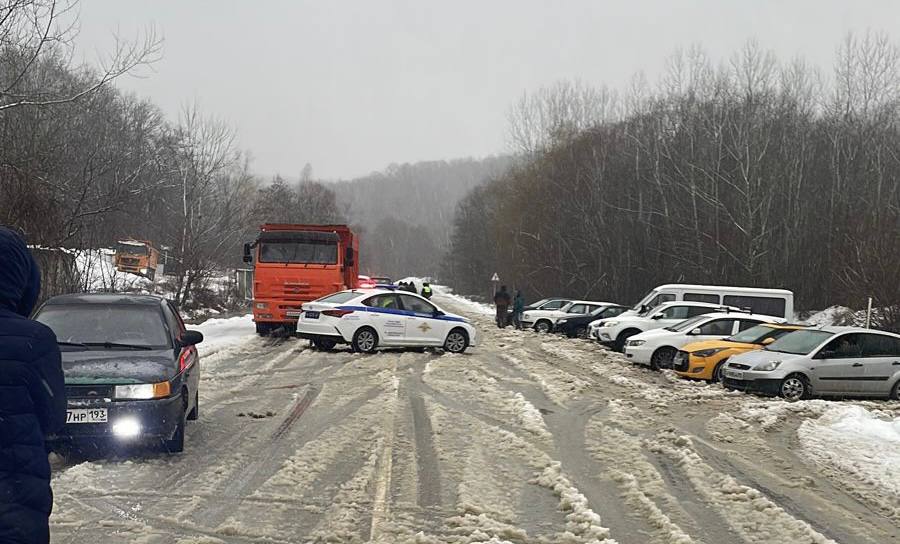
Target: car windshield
x=305 y=252
x=687 y=324
x=107 y=324
x=799 y=342
x=753 y=335
x=339 y=298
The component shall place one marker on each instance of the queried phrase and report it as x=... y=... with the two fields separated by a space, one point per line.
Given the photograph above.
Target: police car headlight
x=768 y=367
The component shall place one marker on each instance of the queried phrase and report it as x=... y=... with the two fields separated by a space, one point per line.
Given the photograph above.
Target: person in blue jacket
x=32 y=398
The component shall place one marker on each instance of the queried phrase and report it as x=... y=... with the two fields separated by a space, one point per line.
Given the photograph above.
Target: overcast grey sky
x=351 y=86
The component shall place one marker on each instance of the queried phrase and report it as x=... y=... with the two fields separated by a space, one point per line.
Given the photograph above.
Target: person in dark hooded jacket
x=32 y=399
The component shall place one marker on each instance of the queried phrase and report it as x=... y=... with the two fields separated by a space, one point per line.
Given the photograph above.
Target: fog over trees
x=754 y=172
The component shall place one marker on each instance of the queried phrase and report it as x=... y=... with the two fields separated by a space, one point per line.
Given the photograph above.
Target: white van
x=775 y=302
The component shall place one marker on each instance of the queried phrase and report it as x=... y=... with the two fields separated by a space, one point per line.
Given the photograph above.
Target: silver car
x=839 y=361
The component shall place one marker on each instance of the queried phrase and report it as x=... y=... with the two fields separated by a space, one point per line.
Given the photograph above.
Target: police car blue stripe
x=395 y=311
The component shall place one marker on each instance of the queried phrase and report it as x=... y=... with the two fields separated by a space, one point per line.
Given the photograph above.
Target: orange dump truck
x=136 y=256
x=293 y=264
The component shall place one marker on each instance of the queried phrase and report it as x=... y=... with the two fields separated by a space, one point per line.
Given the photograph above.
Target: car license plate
x=91 y=415
x=312 y=315
x=293 y=313
x=734 y=374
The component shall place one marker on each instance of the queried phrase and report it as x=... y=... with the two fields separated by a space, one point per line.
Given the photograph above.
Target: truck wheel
x=194 y=414
x=263 y=329
x=365 y=340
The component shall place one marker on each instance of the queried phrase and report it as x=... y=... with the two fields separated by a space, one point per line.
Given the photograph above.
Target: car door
x=423 y=326
x=839 y=365
x=881 y=360
x=387 y=317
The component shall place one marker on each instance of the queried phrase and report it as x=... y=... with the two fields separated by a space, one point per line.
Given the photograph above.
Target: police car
x=369 y=319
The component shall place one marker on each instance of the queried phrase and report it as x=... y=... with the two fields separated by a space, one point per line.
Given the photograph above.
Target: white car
x=369 y=319
x=657 y=347
x=545 y=320
x=616 y=331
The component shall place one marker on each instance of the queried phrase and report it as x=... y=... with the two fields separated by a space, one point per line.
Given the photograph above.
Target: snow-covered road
x=524 y=439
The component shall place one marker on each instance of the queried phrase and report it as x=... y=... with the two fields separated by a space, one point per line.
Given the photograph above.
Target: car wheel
x=176 y=443
x=324 y=344
x=457 y=341
x=194 y=414
x=895 y=391
x=718 y=375
x=662 y=358
x=794 y=387
x=543 y=326
x=581 y=332
x=365 y=340
x=623 y=337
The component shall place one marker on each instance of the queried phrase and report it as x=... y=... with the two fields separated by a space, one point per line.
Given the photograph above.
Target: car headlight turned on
x=768 y=367
x=127 y=428
x=636 y=343
x=143 y=391
x=707 y=352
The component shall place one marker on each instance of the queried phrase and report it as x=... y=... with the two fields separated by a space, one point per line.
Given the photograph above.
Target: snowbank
x=98 y=273
x=219 y=334
x=858 y=443
x=471 y=305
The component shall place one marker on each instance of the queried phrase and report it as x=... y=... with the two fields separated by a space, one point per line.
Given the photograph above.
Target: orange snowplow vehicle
x=136 y=256
x=293 y=264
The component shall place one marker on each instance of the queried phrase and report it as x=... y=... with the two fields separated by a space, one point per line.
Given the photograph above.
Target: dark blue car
x=131 y=368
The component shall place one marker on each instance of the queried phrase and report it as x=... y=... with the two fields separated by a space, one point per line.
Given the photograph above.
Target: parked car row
x=737 y=336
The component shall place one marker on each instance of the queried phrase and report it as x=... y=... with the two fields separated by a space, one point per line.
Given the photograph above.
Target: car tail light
x=188 y=356
x=337 y=313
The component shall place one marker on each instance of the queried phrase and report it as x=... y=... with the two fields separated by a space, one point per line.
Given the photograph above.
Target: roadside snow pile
x=471 y=305
x=98 y=273
x=835 y=315
x=858 y=444
x=219 y=334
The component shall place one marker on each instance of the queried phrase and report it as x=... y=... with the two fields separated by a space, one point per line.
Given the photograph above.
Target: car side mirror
x=825 y=354
x=696 y=332
x=438 y=313
x=248 y=257
x=657 y=316
x=190 y=338
x=767 y=341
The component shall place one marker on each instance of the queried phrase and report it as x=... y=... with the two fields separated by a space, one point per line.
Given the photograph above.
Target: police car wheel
x=365 y=340
x=457 y=341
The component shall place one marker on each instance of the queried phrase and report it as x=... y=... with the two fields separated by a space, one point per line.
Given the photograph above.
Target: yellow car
x=704 y=360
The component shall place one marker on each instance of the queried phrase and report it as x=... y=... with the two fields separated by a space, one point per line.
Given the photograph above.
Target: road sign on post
x=495 y=281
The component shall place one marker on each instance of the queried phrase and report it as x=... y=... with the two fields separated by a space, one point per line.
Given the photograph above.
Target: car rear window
x=114 y=323
x=339 y=298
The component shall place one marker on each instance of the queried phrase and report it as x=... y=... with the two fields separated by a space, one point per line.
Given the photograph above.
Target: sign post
x=495 y=282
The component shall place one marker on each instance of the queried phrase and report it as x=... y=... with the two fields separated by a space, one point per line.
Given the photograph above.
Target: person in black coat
x=32 y=399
